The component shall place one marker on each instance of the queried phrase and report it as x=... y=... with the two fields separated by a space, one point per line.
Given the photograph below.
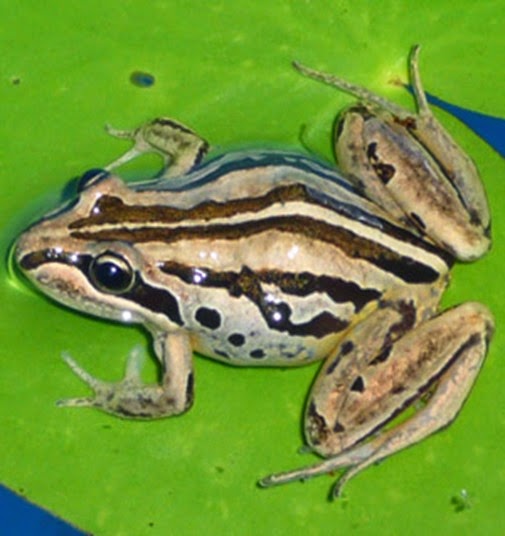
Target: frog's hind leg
x=352 y=399
x=408 y=164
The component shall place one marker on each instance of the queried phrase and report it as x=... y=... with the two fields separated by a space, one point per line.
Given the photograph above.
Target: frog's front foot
x=128 y=398
x=180 y=147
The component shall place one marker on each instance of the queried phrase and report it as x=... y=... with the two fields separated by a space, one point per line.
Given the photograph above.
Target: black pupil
x=111 y=276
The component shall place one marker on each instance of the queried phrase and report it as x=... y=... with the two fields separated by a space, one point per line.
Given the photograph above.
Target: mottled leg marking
x=130 y=398
x=447 y=350
x=180 y=147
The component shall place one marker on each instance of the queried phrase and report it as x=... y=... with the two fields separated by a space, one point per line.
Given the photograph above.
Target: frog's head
x=88 y=255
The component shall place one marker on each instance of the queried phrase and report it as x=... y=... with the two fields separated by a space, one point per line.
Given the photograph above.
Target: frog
x=276 y=258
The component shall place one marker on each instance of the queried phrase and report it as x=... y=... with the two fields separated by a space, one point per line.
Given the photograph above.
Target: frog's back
x=282 y=211
x=282 y=250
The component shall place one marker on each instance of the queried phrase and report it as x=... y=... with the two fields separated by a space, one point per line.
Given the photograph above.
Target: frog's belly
x=250 y=348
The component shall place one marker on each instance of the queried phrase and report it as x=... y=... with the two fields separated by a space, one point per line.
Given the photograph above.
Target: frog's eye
x=111 y=273
x=89 y=178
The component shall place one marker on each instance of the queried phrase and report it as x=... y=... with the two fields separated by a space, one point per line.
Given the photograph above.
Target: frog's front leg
x=130 y=398
x=179 y=146
x=368 y=381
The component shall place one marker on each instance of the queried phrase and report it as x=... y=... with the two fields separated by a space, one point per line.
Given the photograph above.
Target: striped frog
x=272 y=258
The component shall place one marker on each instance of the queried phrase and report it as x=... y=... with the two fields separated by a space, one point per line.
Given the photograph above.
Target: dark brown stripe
x=298 y=284
x=248 y=283
x=353 y=245
x=111 y=210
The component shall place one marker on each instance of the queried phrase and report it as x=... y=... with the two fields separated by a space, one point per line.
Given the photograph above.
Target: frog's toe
x=83 y=374
x=83 y=402
x=100 y=388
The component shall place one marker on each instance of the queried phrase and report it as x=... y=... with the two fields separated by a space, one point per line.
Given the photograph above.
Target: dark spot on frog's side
x=257 y=354
x=209 y=318
x=289 y=355
x=236 y=339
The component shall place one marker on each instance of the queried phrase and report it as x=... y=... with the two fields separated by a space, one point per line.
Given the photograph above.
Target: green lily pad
x=224 y=69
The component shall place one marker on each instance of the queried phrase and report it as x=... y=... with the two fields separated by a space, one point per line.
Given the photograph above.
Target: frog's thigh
x=343 y=378
x=439 y=359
